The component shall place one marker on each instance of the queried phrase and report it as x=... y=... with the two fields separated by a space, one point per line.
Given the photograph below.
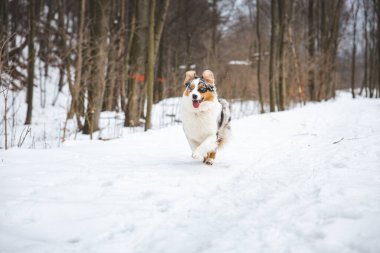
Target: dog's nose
x=195 y=96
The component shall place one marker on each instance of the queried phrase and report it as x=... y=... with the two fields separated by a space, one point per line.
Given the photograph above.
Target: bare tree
x=154 y=37
x=330 y=16
x=98 y=38
x=376 y=3
x=259 y=58
x=272 y=60
x=137 y=60
x=150 y=67
x=31 y=60
x=282 y=24
x=364 y=85
x=311 y=49
x=353 y=63
x=76 y=87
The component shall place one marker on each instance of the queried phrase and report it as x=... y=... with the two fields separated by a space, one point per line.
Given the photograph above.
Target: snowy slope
x=306 y=180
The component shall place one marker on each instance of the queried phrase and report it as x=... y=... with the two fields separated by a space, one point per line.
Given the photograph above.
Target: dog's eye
x=203 y=89
x=188 y=86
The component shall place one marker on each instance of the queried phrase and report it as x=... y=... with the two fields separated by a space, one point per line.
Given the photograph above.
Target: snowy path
x=306 y=180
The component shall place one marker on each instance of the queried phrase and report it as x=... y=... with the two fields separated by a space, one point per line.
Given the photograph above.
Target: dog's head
x=200 y=89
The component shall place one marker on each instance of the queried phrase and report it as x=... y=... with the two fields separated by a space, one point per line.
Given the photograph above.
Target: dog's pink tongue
x=196 y=103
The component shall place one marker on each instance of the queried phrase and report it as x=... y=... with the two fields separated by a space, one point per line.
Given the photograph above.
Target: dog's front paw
x=196 y=155
x=208 y=161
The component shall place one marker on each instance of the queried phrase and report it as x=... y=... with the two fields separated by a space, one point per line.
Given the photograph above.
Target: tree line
x=126 y=55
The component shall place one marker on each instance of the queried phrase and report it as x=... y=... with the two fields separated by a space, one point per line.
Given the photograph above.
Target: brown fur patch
x=212 y=155
x=187 y=91
x=207 y=96
x=209 y=159
x=221 y=143
x=190 y=75
x=208 y=76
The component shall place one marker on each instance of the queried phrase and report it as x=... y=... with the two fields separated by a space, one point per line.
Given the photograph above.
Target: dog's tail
x=224 y=127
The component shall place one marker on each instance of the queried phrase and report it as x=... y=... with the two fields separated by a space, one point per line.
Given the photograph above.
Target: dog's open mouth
x=196 y=103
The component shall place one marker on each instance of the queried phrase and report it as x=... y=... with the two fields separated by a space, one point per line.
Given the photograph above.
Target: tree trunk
x=160 y=25
x=75 y=89
x=377 y=10
x=329 y=32
x=311 y=50
x=322 y=52
x=371 y=62
x=154 y=37
x=150 y=69
x=282 y=5
x=214 y=29
x=4 y=15
x=98 y=40
x=127 y=58
x=365 y=28
x=353 y=63
x=109 y=89
x=160 y=81
x=273 y=37
x=138 y=56
x=297 y=67
x=120 y=64
x=258 y=34
x=110 y=80
x=31 y=60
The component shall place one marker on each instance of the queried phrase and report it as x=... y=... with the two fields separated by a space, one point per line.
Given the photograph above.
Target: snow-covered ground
x=306 y=180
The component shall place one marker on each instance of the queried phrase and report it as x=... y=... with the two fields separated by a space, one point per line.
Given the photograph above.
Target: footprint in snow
x=107 y=184
x=146 y=194
x=162 y=206
x=339 y=165
x=74 y=240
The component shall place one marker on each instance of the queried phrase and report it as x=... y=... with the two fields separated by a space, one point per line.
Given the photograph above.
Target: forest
x=110 y=142
x=125 y=56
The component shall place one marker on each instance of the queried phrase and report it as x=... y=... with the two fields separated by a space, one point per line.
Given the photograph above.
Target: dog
x=205 y=118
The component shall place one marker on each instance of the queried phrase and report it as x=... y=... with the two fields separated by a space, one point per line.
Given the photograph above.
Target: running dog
x=205 y=117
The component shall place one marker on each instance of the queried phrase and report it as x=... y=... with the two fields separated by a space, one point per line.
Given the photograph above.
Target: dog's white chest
x=199 y=124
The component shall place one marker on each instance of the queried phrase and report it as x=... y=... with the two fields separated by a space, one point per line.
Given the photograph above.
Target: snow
x=305 y=180
x=245 y=62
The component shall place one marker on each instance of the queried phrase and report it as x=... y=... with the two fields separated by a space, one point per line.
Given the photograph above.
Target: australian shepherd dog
x=205 y=117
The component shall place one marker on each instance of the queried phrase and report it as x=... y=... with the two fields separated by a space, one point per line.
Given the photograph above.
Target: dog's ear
x=190 y=75
x=208 y=76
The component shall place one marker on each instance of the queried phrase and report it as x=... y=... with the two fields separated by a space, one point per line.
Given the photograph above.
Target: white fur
x=200 y=124
x=195 y=90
